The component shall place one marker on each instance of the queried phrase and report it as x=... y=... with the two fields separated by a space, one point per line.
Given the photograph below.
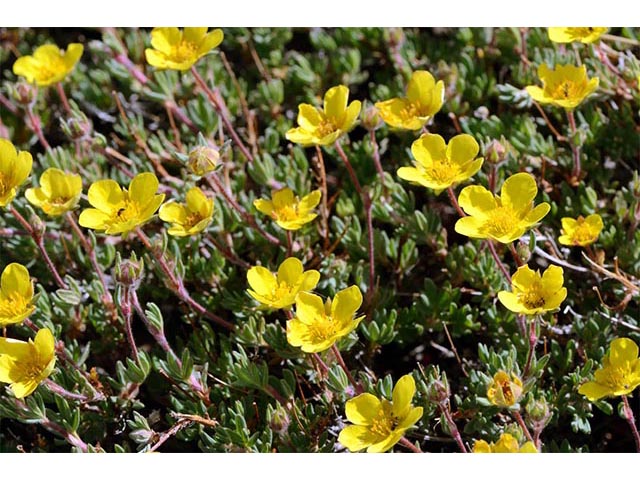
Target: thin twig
x=628 y=413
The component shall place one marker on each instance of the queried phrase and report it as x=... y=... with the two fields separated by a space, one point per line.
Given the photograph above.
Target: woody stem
x=376 y=160
x=453 y=428
x=628 y=413
x=454 y=202
x=36 y=126
x=60 y=390
x=177 y=284
x=516 y=257
x=289 y=243
x=523 y=426
x=39 y=241
x=532 y=345
x=499 y=263
x=127 y=312
x=410 y=445
x=575 y=149
x=63 y=97
x=218 y=104
x=354 y=382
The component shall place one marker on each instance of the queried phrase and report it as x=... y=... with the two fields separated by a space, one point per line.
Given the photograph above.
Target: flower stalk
x=628 y=413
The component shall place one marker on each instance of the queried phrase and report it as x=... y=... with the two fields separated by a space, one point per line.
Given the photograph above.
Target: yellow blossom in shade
x=15 y=167
x=504 y=218
x=576 y=34
x=280 y=290
x=566 y=86
x=379 y=424
x=619 y=374
x=317 y=325
x=533 y=293
x=25 y=364
x=289 y=212
x=189 y=218
x=324 y=127
x=504 y=390
x=58 y=193
x=117 y=210
x=179 y=50
x=48 y=64
x=507 y=443
x=438 y=165
x=16 y=294
x=424 y=99
x=581 y=231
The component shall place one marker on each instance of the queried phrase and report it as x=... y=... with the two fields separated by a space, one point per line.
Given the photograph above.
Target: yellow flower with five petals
x=48 y=64
x=174 y=49
x=26 y=364
x=504 y=218
x=189 y=218
x=280 y=290
x=424 y=99
x=619 y=374
x=379 y=424
x=439 y=165
x=117 y=210
x=288 y=211
x=16 y=294
x=15 y=167
x=58 y=193
x=507 y=443
x=566 y=86
x=576 y=34
x=317 y=325
x=581 y=231
x=533 y=293
x=324 y=127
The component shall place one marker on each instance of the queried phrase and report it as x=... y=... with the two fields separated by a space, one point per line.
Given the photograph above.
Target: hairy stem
x=628 y=413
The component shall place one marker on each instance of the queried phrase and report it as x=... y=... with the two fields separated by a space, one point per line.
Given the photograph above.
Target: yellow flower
x=58 y=193
x=118 y=210
x=581 y=231
x=424 y=99
x=280 y=290
x=179 y=50
x=620 y=372
x=317 y=326
x=48 y=64
x=504 y=391
x=25 y=364
x=576 y=34
x=566 y=86
x=15 y=167
x=289 y=212
x=506 y=444
x=324 y=127
x=190 y=218
x=16 y=294
x=533 y=293
x=504 y=218
x=380 y=424
x=438 y=165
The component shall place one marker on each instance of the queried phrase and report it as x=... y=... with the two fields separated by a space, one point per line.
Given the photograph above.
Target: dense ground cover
x=159 y=343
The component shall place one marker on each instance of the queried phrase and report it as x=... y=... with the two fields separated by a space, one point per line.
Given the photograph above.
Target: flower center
x=502 y=220
x=617 y=377
x=287 y=213
x=282 y=290
x=53 y=66
x=183 y=51
x=59 y=200
x=533 y=297
x=385 y=422
x=410 y=111
x=582 y=233
x=324 y=128
x=193 y=219
x=443 y=171
x=12 y=305
x=128 y=212
x=566 y=89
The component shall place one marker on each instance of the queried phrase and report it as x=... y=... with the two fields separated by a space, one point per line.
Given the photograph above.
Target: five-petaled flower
x=280 y=290
x=504 y=391
x=25 y=364
x=117 y=210
x=189 y=218
x=179 y=50
x=533 y=293
x=48 y=64
x=438 y=165
x=504 y=218
x=566 y=86
x=324 y=127
x=507 y=443
x=317 y=325
x=424 y=99
x=16 y=294
x=58 y=193
x=15 y=167
x=379 y=424
x=576 y=34
x=581 y=231
x=289 y=211
x=620 y=372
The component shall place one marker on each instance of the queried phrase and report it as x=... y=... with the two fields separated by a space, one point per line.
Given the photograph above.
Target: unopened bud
x=371 y=119
x=24 y=93
x=39 y=227
x=438 y=391
x=524 y=252
x=279 y=420
x=77 y=127
x=495 y=152
x=203 y=160
x=538 y=412
x=129 y=272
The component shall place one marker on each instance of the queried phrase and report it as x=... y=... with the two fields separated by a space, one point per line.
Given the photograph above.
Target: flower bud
x=39 y=227
x=129 y=272
x=203 y=160
x=279 y=420
x=524 y=252
x=77 y=127
x=538 y=412
x=438 y=391
x=371 y=119
x=504 y=391
x=495 y=152
x=24 y=93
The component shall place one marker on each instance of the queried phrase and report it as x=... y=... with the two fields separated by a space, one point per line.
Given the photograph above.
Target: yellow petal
x=173 y=213
x=194 y=34
x=537 y=214
x=553 y=302
x=481 y=447
x=27 y=67
x=594 y=391
x=261 y=280
x=210 y=41
x=23 y=389
x=469 y=226
x=552 y=279
x=411 y=418
x=524 y=278
x=518 y=191
x=594 y=221
x=290 y=271
x=282 y=198
x=309 y=202
x=462 y=149
x=73 y=54
x=470 y=170
x=309 y=280
x=335 y=103
x=163 y=38
x=528 y=447
x=537 y=94
x=428 y=149
x=94 y=219
x=356 y=437
x=309 y=308
x=45 y=344
x=420 y=87
x=476 y=201
x=413 y=175
x=387 y=443
x=15 y=279
x=22 y=168
x=403 y=394
x=510 y=301
x=263 y=206
x=105 y=195
x=309 y=117
x=197 y=202
x=7 y=367
x=13 y=349
x=622 y=351
x=156 y=58
x=351 y=116
x=297 y=333
x=143 y=187
x=345 y=304
x=363 y=409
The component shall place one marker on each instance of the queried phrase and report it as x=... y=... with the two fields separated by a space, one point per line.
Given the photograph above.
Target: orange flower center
x=566 y=89
x=385 y=422
x=193 y=219
x=12 y=305
x=282 y=290
x=502 y=220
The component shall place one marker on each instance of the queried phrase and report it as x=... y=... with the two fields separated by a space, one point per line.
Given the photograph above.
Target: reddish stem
x=356 y=385
x=628 y=413
x=454 y=202
x=575 y=149
x=499 y=263
x=63 y=97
